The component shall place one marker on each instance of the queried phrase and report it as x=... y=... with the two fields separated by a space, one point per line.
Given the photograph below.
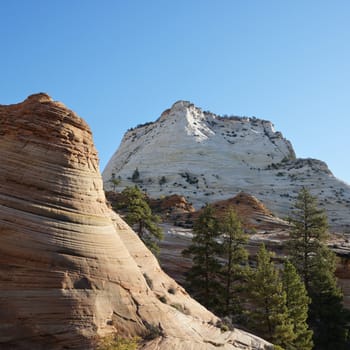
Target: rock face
x=70 y=269
x=207 y=158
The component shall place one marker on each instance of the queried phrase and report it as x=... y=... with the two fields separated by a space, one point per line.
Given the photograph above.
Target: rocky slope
x=207 y=158
x=70 y=269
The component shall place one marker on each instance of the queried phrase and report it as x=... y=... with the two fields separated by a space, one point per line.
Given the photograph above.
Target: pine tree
x=235 y=268
x=316 y=263
x=297 y=302
x=328 y=318
x=203 y=277
x=139 y=215
x=269 y=316
x=309 y=231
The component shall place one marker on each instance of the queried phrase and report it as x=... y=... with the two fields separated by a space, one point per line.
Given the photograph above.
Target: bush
x=135 y=175
x=180 y=308
x=162 y=180
x=153 y=332
x=114 y=342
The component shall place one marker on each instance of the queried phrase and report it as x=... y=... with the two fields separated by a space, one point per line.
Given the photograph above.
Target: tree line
x=297 y=304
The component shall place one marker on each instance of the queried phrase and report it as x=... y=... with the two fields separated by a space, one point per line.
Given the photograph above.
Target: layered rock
x=70 y=269
x=207 y=158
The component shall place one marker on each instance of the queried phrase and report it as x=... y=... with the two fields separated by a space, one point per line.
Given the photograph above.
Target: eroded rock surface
x=70 y=269
x=207 y=158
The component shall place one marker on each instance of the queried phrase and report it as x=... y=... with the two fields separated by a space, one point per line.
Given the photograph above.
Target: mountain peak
x=207 y=158
x=181 y=104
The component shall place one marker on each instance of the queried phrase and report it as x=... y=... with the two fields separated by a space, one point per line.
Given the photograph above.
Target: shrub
x=135 y=175
x=153 y=331
x=162 y=180
x=114 y=342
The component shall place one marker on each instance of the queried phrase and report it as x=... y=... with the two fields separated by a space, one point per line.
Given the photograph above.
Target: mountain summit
x=206 y=158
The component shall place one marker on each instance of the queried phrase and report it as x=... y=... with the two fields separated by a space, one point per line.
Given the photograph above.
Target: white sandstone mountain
x=207 y=158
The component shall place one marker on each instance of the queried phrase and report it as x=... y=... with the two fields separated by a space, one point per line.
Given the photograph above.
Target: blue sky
x=118 y=63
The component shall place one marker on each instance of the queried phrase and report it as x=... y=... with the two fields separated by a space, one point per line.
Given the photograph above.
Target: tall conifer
x=235 y=267
x=269 y=316
x=297 y=302
x=203 y=278
x=316 y=264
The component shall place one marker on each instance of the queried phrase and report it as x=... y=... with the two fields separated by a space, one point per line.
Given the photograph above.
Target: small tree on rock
x=139 y=215
x=135 y=175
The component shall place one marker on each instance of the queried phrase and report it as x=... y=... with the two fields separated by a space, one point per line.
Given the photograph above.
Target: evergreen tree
x=203 y=277
x=328 y=318
x=297 y=302
x=309 y=230
x=135 y=175
x=139 y=215
x=269 y=316
x=235 y=268
x=316 y=263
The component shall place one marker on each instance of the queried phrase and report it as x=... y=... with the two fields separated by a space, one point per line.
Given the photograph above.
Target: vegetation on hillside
x=297 y=306
x=316 y=265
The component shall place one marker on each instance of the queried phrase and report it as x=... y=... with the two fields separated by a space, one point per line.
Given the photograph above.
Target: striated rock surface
x=207 y=158
x=70 y=269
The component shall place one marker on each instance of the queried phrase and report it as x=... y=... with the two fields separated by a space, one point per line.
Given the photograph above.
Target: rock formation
x=207 y=158
x=71 y=270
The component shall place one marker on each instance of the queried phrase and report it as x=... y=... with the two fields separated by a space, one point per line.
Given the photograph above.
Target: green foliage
x=235 y=269
x=180 y=308
x=309 y=230
x=115 y=181
x=269 y=317
x=162 y=180
x=297 y=302
x=316 y=264
x=117 y=343
x=139 y=215
x=203 y=277
x=328 y=318
x=136 y=175
x=153 y=331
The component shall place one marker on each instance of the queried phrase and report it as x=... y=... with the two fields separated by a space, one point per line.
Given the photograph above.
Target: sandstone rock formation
x=70 y=269
x=207 y=158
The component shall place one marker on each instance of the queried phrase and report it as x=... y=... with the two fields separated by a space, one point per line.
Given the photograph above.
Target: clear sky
x=118 y=63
